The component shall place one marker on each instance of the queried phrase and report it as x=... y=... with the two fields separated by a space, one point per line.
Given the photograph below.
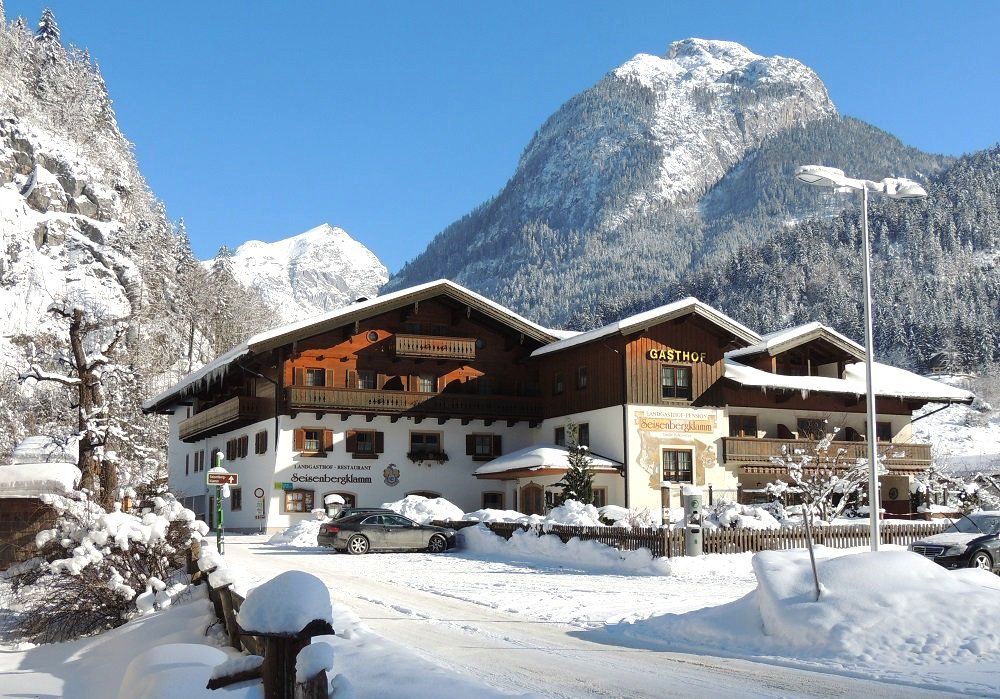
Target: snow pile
x=729 y=515
x=315 y=658
x=877 y=610
x=573 y=513
x=547 y=548
x=285 y=604
x=33 y=480
x=171 y=671
x=624 y=517
x=426 y=510
x=301 y=534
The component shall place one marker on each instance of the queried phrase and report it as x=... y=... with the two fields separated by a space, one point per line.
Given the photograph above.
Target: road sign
x=258 y=492
x=216 y=478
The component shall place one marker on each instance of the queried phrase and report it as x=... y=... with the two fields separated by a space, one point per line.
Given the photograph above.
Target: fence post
x=229 y=616
x=710 y=498
x=739 y=493
x=316 y=687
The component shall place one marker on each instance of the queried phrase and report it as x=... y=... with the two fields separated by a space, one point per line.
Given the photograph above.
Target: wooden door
x=532 y=500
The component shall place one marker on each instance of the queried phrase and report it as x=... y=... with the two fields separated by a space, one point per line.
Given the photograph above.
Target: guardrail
x=240 y=408
x=435 y=347
x=390 y=402
x=753 y=449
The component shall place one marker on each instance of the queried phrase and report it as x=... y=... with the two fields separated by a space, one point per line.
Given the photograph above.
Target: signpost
x=259 y=494
x=219 y=477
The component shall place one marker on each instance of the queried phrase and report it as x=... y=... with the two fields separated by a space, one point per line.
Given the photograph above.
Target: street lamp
x=895 y=188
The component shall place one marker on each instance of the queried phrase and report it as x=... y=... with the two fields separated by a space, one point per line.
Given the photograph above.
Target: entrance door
x=532 y=500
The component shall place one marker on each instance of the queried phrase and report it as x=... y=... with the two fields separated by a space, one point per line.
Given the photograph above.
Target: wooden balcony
x=457 y=405
x=905 y=456
x=223 y=417
x=431 y=347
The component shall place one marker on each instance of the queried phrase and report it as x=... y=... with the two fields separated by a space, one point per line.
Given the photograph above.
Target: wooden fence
x=278 y=652
x=670 y=542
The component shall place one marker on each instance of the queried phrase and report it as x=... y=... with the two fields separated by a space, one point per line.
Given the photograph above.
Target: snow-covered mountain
x=665 y=161
x=310 y=273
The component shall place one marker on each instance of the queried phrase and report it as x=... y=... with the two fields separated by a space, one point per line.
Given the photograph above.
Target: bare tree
x=824 y=478
x=86 y=378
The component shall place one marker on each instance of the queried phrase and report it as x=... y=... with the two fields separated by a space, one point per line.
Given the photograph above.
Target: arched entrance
x=532 y=499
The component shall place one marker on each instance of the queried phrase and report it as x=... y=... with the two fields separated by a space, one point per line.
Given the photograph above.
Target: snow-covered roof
x=889 y=382
x=652 y=317
x=539 y=457
x=777 y=342
x=360 y=310
x=34 y=480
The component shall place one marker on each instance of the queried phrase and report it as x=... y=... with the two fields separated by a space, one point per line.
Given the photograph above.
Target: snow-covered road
x=516 y=627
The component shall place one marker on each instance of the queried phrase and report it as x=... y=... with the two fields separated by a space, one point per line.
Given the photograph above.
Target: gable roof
x=655 y=316
x=361 y=310
x=789 y=338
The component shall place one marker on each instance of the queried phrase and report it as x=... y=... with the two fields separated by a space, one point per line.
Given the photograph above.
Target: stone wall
x=20 y=520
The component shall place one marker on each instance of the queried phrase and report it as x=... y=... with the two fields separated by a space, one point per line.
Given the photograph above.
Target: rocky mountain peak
x=309 y=273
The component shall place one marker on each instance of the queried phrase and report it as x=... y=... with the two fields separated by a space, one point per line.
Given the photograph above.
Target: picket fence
x=670 y=542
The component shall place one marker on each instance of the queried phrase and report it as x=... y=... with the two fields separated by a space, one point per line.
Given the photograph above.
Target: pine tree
x=3 y=15
x=48 y=30
x=578 y=483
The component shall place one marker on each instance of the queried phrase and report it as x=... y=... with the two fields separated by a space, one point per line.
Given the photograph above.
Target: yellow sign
x=675 y=355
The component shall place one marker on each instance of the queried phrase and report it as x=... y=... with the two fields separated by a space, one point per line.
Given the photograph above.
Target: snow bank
x=425 y=510
x=170 y=671
x=574 y=514
x=301 y=534
x=876 y=610
x=550 y=550
x=285 y=604
x=32 y=480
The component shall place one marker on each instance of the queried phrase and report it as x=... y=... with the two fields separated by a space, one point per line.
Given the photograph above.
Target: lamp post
x=895 y=188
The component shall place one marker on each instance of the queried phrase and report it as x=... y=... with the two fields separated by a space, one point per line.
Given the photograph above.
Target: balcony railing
x=400 y=402
x=431 y=347
x=750 y=450
x=220 y=418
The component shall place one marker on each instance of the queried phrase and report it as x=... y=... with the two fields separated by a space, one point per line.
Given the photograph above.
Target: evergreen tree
x=578 y=482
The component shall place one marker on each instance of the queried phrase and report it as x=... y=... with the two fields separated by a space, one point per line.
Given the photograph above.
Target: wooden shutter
x=298 y=376
x=328 y=440
x=379 y=442
x=299 y=439
x=380 y=381
x=331 y=378
x=352 y=442
x=352 y=379
x=497 y=445
x=470 y=444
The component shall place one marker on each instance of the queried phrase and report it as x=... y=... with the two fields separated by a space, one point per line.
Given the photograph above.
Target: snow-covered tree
x=823 y=478
x=578 y=481
x=86 y=367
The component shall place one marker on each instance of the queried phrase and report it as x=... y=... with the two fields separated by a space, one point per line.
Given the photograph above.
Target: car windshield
x=977 y=524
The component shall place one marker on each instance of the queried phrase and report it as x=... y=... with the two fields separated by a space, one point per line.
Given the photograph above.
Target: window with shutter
x=298 y=376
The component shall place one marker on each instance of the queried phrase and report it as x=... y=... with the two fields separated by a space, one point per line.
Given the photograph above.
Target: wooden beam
x=487 y=423
x=319 y=415
x=534 y=423
x=442 y=420
x=394 y=419
x=417 y=420
x=511 y=423
x=369 y=418
x=344 y=416
x=466 y=421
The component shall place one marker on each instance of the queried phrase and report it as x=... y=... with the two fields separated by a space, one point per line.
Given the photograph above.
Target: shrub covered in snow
x=731 y=515
x=97 y=569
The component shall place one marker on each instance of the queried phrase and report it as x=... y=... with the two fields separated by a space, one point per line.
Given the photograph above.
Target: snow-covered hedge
x=97 y=569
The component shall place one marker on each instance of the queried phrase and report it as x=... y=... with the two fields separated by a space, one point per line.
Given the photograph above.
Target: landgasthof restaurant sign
x=342 y=474
x=687 y=421
x=675 y=355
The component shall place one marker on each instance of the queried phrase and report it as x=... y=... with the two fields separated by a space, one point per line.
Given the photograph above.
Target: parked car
x=362 y=532
x=970 y=542
x=350 y=511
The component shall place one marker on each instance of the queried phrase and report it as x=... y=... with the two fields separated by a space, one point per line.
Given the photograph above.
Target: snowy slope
x=965 y=438
x=616 y=165
x=310 y=273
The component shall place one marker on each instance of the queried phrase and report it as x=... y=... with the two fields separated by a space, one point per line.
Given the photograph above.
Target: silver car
x=368 y=531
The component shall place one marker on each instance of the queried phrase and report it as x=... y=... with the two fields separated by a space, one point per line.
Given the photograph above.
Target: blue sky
x=263 y=119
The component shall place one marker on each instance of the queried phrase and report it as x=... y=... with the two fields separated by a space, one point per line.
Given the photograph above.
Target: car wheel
x=437 y=544
x=357 y=545
x=981 y=560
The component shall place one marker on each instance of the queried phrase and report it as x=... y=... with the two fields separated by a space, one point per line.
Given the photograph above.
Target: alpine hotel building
x=437 y=391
